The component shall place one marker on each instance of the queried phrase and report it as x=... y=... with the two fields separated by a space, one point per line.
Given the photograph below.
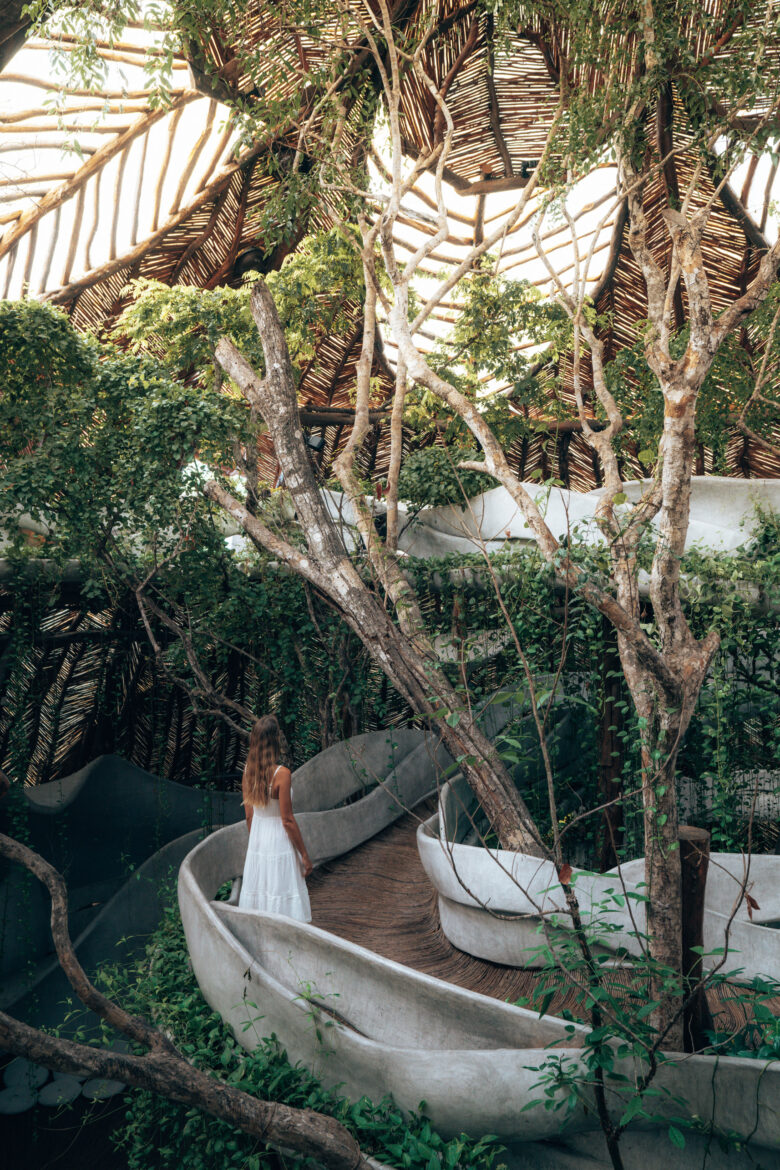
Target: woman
x=276 y=859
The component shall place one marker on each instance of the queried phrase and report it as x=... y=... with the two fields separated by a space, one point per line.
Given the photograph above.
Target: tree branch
x=164 y=1070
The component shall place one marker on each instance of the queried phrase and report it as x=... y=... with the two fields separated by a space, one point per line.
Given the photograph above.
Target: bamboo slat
x=502 y=98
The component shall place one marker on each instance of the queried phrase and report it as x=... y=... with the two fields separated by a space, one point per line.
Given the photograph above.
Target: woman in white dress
x=277 y=863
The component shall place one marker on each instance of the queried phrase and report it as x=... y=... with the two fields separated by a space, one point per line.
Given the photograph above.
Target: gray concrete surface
x=477 y=884
x=97 y=827
x=723 y=516
x=373 y=1026
x=118 y=933
x=118 y=835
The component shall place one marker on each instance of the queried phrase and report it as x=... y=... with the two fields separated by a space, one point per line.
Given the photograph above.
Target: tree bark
x=610 y=756
x=407 y=658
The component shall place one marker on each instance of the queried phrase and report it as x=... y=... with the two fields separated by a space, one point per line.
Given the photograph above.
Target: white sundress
x=272 y=877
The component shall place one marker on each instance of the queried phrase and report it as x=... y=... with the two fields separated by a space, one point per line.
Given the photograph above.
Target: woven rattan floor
x=379 y=897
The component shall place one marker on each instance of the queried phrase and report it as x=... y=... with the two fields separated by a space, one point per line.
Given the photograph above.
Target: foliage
x=637 y=52
x=619 y=1037
x=635 y=56
x=499 y=322
x=313 y=291
x=96 y=444
x=735 y=731
x=95 y=438
x=161 y=987
x=259 y=635
x=431 y=477
x=758 y=1040
x=724 y=392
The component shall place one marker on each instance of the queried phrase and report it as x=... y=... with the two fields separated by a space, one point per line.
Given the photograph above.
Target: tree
x=615 y=78
x=665 y=671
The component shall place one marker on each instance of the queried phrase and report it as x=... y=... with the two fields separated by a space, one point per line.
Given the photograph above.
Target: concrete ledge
x=96 y=827
x=476 y=884
x=371 y=1026
x=117 y=933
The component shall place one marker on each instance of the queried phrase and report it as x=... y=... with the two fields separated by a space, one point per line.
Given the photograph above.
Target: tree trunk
x=163 y=1069
x=662 y=878
x=407 y=658
x=610 y=754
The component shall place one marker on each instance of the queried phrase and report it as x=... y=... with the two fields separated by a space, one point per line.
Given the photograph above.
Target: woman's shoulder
x=280 y=781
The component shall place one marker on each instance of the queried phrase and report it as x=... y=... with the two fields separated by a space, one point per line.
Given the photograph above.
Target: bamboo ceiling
x=183 y=209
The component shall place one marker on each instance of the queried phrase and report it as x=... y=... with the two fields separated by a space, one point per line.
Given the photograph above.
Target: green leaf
x=676 y=1137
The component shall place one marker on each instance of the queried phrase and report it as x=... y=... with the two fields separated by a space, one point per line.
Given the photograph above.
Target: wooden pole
x=695 y=859
x=610 y=752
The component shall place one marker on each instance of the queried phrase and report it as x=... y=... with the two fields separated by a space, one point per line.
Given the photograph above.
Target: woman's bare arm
x=283 y=787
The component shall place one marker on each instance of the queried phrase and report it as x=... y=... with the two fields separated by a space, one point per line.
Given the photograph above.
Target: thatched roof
x=206 y=211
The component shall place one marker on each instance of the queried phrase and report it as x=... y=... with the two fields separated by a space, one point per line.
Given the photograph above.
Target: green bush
x=158 y=1134
x=431 y=477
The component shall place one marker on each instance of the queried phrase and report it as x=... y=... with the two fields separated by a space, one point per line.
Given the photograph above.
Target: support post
x=610 y=753
x=695 y=859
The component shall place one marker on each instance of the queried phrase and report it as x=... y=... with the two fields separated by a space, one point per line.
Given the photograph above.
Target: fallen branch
x=163 y=1069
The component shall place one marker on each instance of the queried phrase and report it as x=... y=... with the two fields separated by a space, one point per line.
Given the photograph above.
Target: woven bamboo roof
x=184 y=209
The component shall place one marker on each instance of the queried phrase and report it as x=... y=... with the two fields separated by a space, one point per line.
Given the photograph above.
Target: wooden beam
x=31 y=242
x=479 y=221
x=49 y=83
x=225 y=270
x=67 y=39
x=85 y=108
x=695 y=859
x=26 y=180
x=463 y=55
x=482 y=186
x=55 y=234
x=328 y=416
x=95 y=219
x=495 y=113
x=64 y=295
x=75 y=232
x=614 y=252
x=125 y=58
x=194 y=155
x=120 y=174
x=139 y=182
x=173 y=126
x=200 y=239
x=92 y=166
x=734 y=205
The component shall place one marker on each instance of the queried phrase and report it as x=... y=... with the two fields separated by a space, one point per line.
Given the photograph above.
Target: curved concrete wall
x=474 y=884
x=117 y=933
x=101 y=824
x=96 y=827
x=722 y=516
x=399 y=768
x=372 y=1026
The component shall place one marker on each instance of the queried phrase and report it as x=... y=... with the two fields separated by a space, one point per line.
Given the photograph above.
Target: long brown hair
x=261 y=760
